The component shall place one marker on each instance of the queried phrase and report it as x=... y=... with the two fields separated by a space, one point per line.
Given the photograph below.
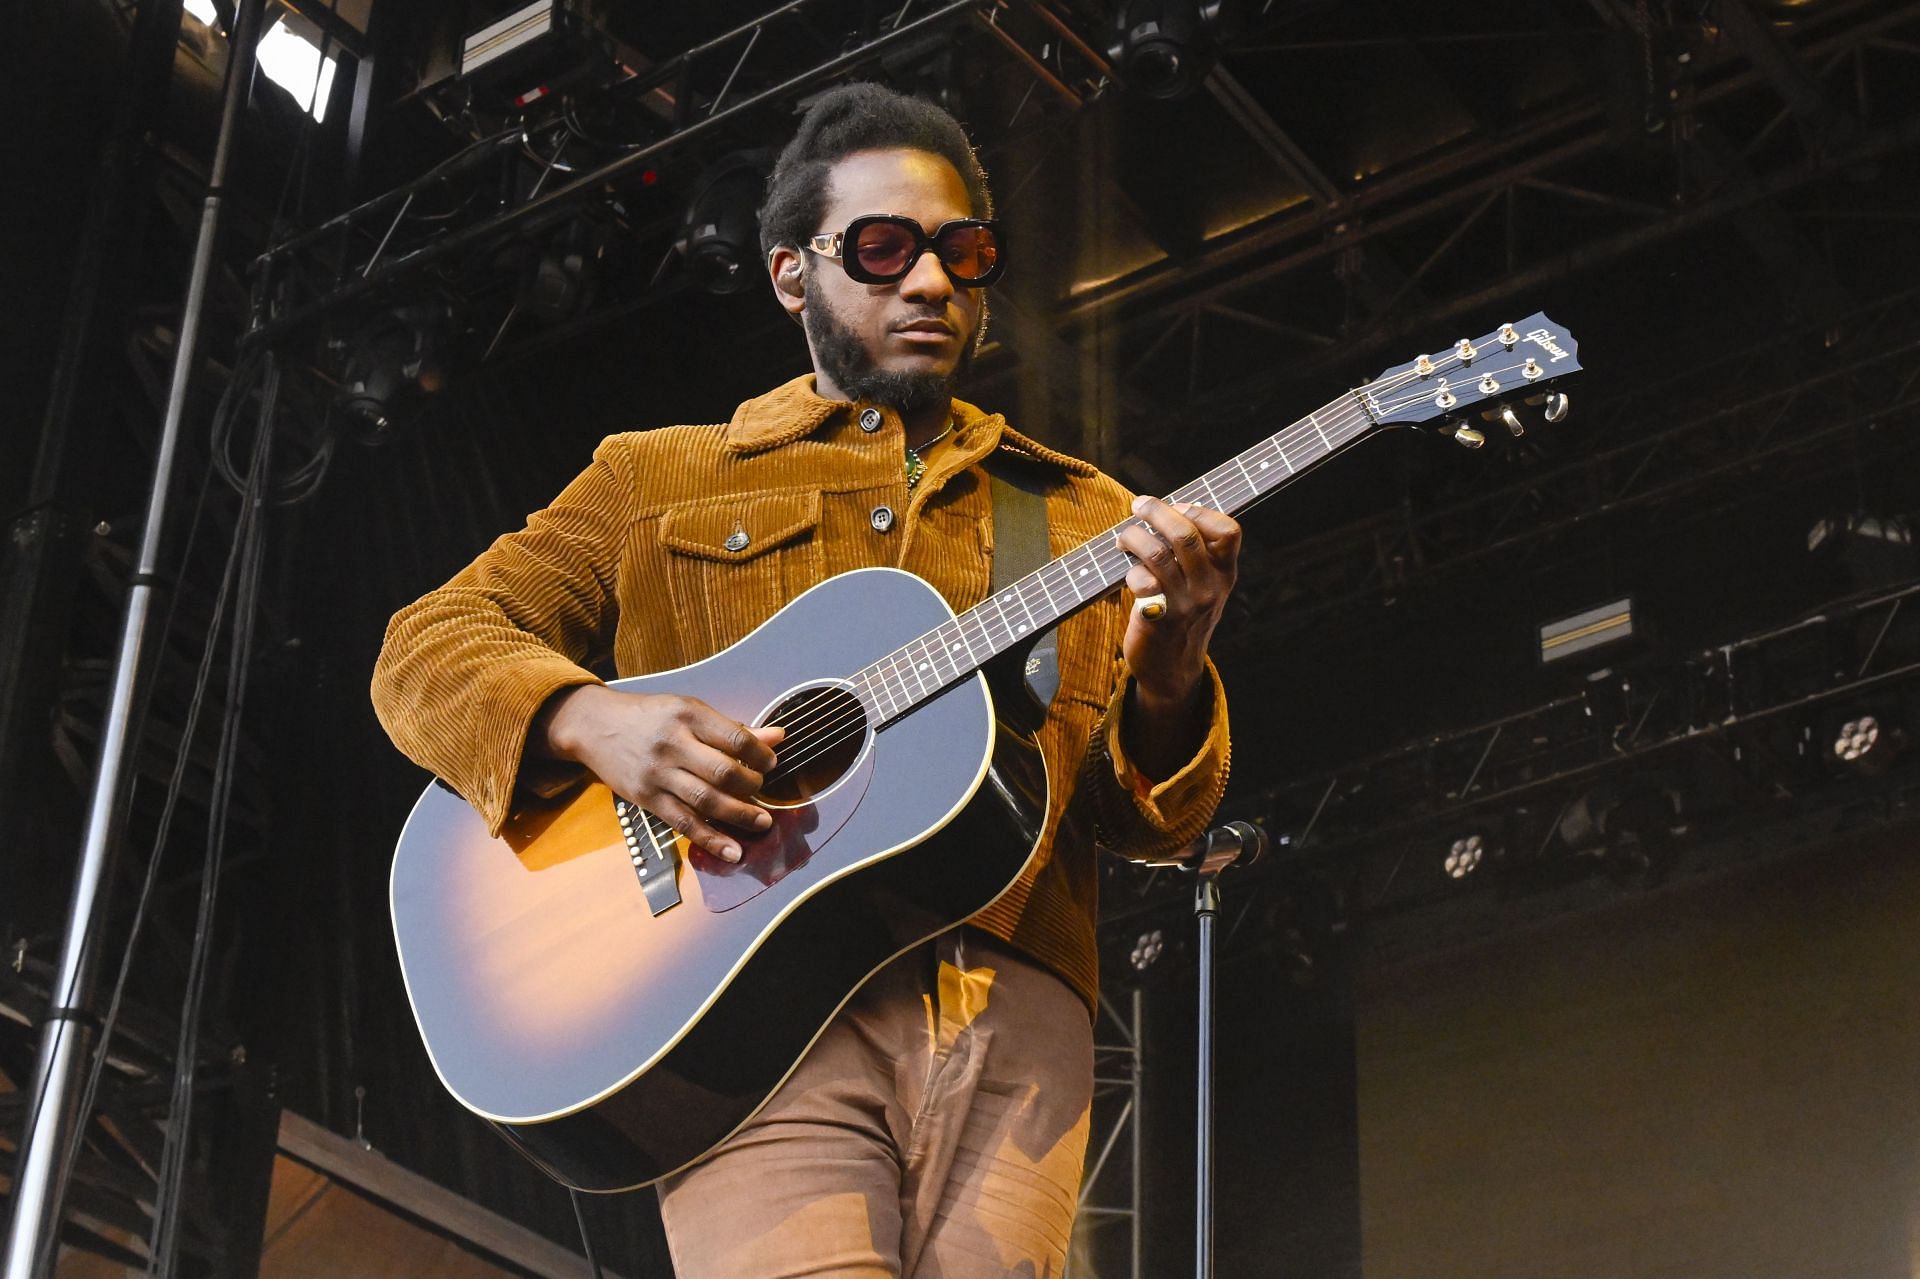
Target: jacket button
x=882 y=518
x=869 y=420
x=736 y=540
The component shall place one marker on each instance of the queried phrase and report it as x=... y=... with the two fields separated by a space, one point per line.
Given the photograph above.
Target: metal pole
x=1206 y=905
x=39 y=1186
x=1139 y=1143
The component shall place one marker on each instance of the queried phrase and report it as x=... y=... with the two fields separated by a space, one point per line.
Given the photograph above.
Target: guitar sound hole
x=826 y=729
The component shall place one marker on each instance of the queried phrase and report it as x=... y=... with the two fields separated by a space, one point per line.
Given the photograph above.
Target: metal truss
x=1118 y=1089
x=1789 y=408
x=116 y=1176
x=1705 y=761
x=1502 y=214
x=687 y=99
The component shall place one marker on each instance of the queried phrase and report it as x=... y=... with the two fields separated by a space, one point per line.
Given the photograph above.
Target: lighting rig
x=571 y=142
x=1679 y=764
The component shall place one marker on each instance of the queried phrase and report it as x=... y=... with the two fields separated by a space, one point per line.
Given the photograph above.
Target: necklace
x=917 y=468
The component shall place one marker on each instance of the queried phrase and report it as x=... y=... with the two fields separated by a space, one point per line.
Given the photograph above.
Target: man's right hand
x=676 y=757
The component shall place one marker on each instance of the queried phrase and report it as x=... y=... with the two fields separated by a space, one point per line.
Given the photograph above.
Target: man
x=937 y=1127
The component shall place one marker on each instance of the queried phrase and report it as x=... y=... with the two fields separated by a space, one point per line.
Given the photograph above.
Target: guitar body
x=614 y=1045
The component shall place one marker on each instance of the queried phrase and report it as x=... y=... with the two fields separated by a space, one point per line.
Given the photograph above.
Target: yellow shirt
x=630 y=569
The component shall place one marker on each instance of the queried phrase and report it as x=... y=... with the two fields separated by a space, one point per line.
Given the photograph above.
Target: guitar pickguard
x=797 y=834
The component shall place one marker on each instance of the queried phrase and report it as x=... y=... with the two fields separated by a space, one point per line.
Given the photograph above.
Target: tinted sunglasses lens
x=969 y=252
x=884 y=249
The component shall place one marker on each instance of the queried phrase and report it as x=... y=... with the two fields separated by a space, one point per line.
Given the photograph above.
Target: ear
x=784 y=265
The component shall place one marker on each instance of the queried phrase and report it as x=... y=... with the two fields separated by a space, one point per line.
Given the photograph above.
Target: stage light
x=393 y=360
x=1147 y=948
x=1628 y=825
x=290 y=56
x=1465 y=856
x=1586 y=630
x=720 y=237
x=1857 y=739
x=1864 y=742
x=524 y=54
x=557 y=279
x=1867 y=550
x=1164 y=48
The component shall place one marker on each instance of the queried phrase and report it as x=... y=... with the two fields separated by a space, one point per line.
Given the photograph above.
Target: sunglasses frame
x=832 y=244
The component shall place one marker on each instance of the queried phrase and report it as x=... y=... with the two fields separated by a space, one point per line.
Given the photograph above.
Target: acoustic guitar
x=617 y=1003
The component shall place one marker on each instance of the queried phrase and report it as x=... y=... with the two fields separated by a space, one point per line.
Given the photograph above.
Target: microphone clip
x=1236 y=843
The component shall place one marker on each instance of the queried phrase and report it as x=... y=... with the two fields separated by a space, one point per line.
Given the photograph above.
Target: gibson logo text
x=1545 y=338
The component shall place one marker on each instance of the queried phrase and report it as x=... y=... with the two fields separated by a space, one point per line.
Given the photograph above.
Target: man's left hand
x=1191 y=556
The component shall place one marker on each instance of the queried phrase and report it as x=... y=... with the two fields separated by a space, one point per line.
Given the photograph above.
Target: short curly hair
x=850 y=118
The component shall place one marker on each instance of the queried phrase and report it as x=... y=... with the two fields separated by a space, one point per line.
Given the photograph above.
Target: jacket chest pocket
x=731 y=563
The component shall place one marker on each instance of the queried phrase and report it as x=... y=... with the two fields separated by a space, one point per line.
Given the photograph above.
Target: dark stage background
x=1717 y=198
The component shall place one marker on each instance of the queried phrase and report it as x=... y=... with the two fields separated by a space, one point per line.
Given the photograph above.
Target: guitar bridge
x=650 y=848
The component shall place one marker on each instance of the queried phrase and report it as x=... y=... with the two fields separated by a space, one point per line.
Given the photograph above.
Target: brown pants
x=935 y=1131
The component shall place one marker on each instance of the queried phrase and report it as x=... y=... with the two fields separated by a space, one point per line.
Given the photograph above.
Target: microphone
x=1239 y=843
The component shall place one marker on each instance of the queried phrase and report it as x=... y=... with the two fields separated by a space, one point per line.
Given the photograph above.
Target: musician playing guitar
x=937 y=1126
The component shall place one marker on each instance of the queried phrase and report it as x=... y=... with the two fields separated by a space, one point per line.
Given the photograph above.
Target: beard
x=844 y=359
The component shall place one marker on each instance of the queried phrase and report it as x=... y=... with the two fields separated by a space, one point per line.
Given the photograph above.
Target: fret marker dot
x=923 y=666
x=953 y=648
x=1023 y=626
x=1263 y=466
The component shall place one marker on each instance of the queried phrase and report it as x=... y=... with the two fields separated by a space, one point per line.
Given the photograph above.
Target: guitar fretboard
x=904 y=678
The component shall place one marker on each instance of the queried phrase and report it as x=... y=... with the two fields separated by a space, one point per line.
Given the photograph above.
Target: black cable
x=249 y=537
x=585 y=1241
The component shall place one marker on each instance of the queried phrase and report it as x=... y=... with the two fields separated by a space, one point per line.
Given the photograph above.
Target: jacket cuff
x=1169 y=805
x=514 y=692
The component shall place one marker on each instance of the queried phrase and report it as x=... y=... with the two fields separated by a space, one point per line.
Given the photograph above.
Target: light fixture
x=720 y=237
x=1627 y=824
x=1864 y=741
x=1586 y=630
x=1857 y=739
x=290 y=55
x=1147 y=948
x=1866 y=549
x=1164 y=48
x=1464 y=857
x=557 y=278
x=391 y=363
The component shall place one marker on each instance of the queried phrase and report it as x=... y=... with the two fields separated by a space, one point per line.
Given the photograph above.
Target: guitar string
x=840 y=724
x=893 y=664
x=846 y=725
x=825 y=703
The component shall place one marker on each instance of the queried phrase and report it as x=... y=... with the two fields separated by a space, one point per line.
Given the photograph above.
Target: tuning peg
x=1512 y=420
x=1556 y=406
x=1467 y=437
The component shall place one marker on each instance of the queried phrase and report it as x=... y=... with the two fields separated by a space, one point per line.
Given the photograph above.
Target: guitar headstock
x=1516 y=361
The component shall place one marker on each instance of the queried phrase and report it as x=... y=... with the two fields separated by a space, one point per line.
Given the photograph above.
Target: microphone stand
x=1207 y=857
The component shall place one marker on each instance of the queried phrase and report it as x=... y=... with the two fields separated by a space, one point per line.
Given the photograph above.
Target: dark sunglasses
x=882 y=247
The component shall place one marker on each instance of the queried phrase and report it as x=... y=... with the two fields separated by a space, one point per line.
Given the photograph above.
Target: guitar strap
x=1019 y=547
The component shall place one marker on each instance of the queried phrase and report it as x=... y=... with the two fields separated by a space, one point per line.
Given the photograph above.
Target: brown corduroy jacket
x=632 y=566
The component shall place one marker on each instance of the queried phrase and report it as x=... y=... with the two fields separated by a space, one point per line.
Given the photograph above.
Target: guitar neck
x=916 y=671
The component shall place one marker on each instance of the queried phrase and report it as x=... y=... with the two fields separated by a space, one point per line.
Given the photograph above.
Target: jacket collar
x=787 y=413
x=795 y=410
